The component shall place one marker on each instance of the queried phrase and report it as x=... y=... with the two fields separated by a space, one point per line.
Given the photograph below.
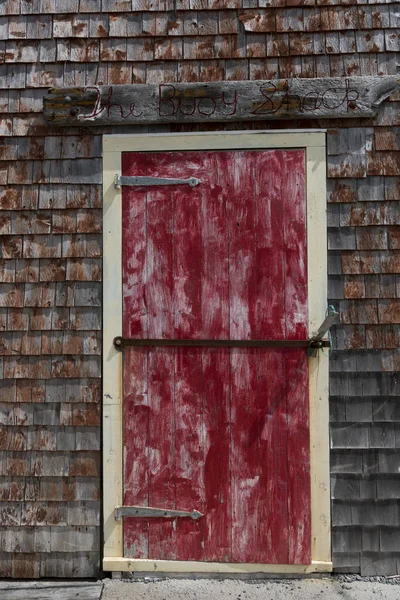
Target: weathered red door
x=224 y=431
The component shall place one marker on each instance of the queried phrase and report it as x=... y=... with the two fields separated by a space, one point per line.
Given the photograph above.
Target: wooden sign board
x=219 y=101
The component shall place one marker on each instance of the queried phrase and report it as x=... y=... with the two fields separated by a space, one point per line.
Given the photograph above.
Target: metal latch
x=147 y=511
x=120 y=343
x=330 y=319
x=147 y=181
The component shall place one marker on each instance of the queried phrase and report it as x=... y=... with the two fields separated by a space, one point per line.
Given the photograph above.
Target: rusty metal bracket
x=149 y=512
x=120 y=343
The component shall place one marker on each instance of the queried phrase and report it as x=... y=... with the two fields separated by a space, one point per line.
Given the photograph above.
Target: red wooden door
x=224 y=431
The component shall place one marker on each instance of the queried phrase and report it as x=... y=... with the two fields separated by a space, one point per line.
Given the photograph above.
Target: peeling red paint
x=163 y=417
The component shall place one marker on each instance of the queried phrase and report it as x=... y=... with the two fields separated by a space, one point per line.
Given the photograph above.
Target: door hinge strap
x=149 y=181
x=147 y=511
x=121 y=342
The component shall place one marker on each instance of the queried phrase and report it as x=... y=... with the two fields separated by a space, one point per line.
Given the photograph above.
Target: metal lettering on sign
x=146 y=181
x=147 y=511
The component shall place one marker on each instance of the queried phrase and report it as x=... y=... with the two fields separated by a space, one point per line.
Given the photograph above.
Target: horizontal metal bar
x=149 y=512
x=121 y=342
x=139 y=181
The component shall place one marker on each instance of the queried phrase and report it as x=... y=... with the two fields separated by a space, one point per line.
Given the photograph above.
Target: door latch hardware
x=330 y=319
x=147 y=511
x=121 y=342
x=149 y=181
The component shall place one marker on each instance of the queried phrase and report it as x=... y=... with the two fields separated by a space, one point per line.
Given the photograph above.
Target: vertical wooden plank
x=318 y=366
x=136 y=449
x=216 y=362
x=242 y=244
x=148 y=313
x=158 y=293
x=217 y=475
x=134 y=249
x=191 y=433
x=162 y=457
x=244 y=425
x=273 y=509
x=215 y=240
x=158 y=283
x=244 y=456
x=269 y=198
x=298 y=441
x=189 y=401
x=135 y=365
x=294 y=220
x=188 y=245
x=271 y=371
x=112 y=359
x=189 y=444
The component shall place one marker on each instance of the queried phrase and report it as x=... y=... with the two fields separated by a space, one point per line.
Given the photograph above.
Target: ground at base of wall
x=51 y=590
x=339 y=587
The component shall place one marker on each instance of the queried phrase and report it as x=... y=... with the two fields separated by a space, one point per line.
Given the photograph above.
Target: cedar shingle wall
x=50 y=244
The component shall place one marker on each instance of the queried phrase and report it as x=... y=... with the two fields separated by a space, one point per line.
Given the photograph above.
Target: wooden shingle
x=50 y=246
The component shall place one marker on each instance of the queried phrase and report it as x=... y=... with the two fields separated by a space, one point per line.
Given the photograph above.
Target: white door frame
x=313 y=143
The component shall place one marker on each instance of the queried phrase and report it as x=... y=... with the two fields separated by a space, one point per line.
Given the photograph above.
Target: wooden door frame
x=313 y=142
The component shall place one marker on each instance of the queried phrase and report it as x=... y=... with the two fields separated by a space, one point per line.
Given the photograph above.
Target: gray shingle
x=377 y=564
x=337 y=410
x=389 y=487
x=341 y=514
x=382 y=436
x=345 y=488
x=370 y=539
x=346 y=562
x=349 y=436
x=389 y=461
x=375 y=513
x=386 y=409
x=346 y=461
x=335 y=288
x=347 y=540
x=368 y=488
x=359 y=411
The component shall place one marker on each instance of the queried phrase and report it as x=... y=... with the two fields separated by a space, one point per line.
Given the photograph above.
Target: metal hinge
x=147 y=511
x=147 y=181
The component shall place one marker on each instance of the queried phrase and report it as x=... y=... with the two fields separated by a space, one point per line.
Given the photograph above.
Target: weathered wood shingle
x=50 y=252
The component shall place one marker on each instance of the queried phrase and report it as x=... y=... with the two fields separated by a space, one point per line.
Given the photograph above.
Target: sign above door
x=219 y=101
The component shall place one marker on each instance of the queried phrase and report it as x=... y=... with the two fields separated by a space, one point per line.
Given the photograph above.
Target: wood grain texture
x=216 y=429
x=65 y=48
x=298 y=459
x=273 y=511
x=333 y=97
x=51 y=590
x=136 y=427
